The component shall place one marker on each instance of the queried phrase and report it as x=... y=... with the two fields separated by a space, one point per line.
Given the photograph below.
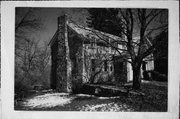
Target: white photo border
x=7 y=60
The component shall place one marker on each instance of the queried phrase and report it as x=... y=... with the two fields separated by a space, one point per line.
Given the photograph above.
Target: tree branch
x=96 y=33
x=153 y=17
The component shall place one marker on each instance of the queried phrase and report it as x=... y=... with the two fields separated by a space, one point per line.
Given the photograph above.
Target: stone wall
x=75 y=50
x=61 y=64
x=96 y=72
x=72 y=61
x=54 y=52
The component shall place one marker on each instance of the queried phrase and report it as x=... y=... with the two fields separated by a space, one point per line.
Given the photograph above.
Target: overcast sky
x=49 y=19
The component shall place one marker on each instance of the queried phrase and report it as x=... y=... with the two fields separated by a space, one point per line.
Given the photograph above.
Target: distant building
x=84 y=55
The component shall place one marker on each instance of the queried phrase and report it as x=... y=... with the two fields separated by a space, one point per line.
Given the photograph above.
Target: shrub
x=146 y=75
x=158 y=76
x=86 y=89
x=21 y=90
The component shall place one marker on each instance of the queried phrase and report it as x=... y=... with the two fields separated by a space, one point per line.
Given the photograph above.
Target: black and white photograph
x=92 y=59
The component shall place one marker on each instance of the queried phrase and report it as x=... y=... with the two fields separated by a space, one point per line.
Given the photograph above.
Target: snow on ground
x=155 y=100
x=109 y=97
x=110 y=107
x=157 y=83
x=84 y=95
x=48 y=100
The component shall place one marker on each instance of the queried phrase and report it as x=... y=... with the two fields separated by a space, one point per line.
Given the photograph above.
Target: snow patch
x=109 y=97
x=48 y=100
x=84 y=95
x=111 y=107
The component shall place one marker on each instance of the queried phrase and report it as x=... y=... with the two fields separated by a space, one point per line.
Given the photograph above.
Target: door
x=119 y=71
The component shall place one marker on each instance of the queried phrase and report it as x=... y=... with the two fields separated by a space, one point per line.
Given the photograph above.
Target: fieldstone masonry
x=73 y=51
x=61 y=64
x=72 y=56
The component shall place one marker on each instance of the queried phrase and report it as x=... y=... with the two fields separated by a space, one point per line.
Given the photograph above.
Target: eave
x=53 y=39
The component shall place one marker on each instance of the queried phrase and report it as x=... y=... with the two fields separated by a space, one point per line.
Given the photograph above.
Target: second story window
x=93 y=42
x=115 y=45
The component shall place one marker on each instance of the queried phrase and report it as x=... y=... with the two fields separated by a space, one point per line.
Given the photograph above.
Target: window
x=93 y=64
x=116 y=45
x=111 y=68
x=105 y=65
x=144 y=65
x=93 y=42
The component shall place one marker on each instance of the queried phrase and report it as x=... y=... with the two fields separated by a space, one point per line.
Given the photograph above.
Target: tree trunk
x=136 y=77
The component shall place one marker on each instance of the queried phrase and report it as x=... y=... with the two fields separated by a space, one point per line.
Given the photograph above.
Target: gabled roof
x=53 y=38
x=92 y=33
x=89 y=34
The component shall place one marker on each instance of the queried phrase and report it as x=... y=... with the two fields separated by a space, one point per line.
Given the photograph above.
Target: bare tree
x=26 y=24
x=31 y=56
x=148 y=23
x=140 y=26
x=99 y=62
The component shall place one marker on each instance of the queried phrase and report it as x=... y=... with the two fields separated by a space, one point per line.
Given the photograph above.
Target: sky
x=49 y=19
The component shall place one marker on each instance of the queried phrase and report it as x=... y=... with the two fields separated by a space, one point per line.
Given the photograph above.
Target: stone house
x=84 y=55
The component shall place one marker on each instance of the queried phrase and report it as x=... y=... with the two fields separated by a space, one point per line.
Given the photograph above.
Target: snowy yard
x=79 y=102
x=155 y=99
x=48 y=100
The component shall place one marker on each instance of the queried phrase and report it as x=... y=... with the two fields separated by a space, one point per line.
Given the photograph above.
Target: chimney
x=63 y=62
x=62 y=21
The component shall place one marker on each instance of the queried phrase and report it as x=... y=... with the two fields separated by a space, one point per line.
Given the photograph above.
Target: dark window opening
x=93 y=64
x=111 y=68
x=105 y=65
x=115 y=45
x=121 y=66
x=93 y=43
x=144 y=66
